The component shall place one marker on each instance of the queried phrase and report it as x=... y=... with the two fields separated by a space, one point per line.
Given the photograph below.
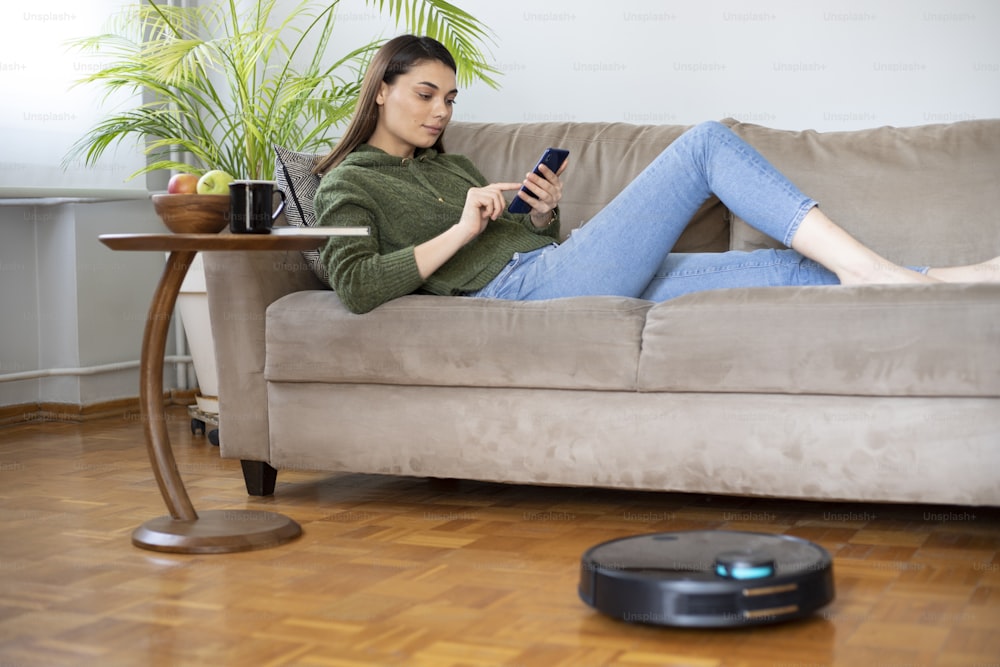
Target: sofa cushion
x=583 y=343
x=920 y=196
x=899 y=340
x=603 y=159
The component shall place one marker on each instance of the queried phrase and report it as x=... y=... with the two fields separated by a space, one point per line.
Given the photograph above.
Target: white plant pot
x=192 y=303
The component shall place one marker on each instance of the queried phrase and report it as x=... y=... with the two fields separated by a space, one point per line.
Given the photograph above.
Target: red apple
x=183 y=184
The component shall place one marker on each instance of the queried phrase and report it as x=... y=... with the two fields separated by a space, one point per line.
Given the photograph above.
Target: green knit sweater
x=406 y=202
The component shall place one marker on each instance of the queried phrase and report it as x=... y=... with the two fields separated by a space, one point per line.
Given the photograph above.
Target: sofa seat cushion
x=937 y=340
x=580 y=343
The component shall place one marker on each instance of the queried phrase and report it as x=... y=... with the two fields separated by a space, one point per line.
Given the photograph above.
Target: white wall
x=69 y=302
x=828 y=65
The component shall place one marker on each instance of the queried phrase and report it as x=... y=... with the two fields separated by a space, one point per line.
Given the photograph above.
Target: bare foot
x=820 y=239
x=984 y=272
x=884 y=273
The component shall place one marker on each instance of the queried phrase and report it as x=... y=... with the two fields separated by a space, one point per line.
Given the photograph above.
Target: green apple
x=214 y=182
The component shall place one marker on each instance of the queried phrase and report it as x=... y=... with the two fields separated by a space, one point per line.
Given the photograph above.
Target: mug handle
x=281 y=206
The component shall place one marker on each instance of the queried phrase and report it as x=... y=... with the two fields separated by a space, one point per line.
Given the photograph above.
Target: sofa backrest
x=604 y=158
x=918 y=195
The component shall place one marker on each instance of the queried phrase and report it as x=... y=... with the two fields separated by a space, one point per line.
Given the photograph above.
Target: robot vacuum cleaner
x=707 y=578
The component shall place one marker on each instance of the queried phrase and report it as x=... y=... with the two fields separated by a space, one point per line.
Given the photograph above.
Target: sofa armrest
x=241 y=285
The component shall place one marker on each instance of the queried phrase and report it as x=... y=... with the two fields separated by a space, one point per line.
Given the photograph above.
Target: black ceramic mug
x=251 y=206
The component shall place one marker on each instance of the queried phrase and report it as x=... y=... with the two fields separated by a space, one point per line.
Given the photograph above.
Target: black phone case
x=551 y=158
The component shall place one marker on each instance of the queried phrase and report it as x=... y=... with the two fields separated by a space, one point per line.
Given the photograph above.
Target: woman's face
x=415 y=109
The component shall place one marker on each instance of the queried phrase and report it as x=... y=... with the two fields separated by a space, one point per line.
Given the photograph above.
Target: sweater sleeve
x=363 y=277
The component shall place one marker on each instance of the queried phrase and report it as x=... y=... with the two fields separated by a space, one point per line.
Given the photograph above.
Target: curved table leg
x=185 y=530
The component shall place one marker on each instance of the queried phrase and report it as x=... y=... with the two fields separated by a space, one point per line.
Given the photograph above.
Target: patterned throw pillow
x=293 y=173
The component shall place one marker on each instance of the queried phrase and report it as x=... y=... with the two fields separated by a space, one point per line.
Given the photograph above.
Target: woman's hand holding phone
x=486 y=204
x=537 y=195
x=542 y=189
x=548 y=191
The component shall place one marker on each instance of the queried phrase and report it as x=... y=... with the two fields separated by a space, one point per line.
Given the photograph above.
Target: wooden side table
x=185 y=530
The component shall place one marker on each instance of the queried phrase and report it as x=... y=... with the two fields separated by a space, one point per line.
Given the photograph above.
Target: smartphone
x=551 y=158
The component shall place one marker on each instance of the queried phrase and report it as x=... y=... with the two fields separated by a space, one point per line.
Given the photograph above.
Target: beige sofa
x=860 y=393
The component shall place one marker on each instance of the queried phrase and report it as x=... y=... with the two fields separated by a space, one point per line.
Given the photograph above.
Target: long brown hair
x=397 y=56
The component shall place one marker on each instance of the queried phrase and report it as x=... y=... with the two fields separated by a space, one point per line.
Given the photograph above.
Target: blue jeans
x=624 y=250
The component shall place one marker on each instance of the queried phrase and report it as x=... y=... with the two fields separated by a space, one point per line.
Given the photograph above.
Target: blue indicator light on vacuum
x=744 y=566
x=739 y=572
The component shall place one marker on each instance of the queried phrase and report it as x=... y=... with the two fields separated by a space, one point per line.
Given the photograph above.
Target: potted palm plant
x=225 y=81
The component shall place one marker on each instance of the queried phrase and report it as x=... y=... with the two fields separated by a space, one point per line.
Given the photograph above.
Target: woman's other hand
x=482 y=206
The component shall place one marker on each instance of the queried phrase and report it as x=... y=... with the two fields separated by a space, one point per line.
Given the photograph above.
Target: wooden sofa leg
x=259 y=477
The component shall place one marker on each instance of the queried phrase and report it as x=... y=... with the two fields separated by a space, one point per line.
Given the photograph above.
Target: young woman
x=439 y=227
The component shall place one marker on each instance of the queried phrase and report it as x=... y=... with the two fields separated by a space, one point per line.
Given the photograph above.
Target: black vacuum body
x=707 y=578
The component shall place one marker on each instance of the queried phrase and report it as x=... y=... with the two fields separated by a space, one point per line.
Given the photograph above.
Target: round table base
x=216 y=531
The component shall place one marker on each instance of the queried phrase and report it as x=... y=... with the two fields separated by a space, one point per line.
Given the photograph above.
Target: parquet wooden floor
x=403 y=571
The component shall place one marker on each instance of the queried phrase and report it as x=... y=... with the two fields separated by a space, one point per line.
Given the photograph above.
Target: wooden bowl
x=193 y=214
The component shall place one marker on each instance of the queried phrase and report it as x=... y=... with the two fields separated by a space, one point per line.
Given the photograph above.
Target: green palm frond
x=458 y=30
x=224 y=84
